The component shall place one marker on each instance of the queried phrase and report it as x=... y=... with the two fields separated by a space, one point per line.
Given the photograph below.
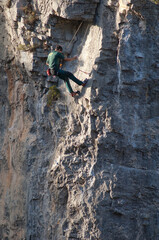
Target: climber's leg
x=68 y=85
x=65 y=78
x=62 y=74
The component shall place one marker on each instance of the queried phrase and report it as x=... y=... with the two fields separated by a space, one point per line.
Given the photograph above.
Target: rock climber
x=53 y=61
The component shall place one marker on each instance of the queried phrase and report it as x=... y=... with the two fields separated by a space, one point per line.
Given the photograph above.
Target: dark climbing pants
x=65 y=75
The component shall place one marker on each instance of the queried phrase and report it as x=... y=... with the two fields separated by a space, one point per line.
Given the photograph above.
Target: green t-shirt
x=53 y=60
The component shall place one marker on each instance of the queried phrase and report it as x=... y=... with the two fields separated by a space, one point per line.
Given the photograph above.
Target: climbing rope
x=75 y=34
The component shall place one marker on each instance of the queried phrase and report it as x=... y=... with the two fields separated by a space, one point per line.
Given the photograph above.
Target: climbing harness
x=48 y=72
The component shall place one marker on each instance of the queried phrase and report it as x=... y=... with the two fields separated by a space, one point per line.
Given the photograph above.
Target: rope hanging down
x=75 y=34
x=81 y=42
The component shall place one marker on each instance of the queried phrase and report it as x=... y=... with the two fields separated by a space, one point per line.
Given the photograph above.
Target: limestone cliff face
x=86 y=168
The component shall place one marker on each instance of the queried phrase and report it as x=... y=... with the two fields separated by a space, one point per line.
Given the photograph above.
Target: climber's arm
x=70 y=59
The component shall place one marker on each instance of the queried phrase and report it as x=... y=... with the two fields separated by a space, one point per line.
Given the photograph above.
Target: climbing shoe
x=73 y=94
x=85 y=82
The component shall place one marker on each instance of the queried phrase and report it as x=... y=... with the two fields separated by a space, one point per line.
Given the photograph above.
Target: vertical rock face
x=74 y=9
x=85 y=168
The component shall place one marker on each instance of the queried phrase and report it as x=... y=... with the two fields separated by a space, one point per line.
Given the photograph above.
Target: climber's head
x=58 y=48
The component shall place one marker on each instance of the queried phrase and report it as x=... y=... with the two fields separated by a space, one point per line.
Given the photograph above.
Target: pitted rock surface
x=84 y=168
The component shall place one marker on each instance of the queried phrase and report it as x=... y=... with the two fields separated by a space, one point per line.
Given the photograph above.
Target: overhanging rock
x=76 y=10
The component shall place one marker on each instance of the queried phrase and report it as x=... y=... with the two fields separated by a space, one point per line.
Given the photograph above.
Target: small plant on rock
x=27 y=9
x=30 y=15
x=53 y=95
x=155 y=1
x=31 y=18
x=28 y=47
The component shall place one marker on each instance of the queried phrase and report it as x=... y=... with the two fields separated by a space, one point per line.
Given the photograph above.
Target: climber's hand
x=71 y=59
x=75 y=57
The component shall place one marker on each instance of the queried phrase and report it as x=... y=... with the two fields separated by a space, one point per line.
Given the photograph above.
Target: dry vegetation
x=30 y=15
x=28 y=47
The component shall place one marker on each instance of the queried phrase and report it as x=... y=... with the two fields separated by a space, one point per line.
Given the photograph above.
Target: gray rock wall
x=86 y=168
x=74 y=9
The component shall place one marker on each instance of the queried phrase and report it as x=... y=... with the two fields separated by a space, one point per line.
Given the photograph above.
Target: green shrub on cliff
x=53 y=95
x=28 y=47
x=155 y=1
